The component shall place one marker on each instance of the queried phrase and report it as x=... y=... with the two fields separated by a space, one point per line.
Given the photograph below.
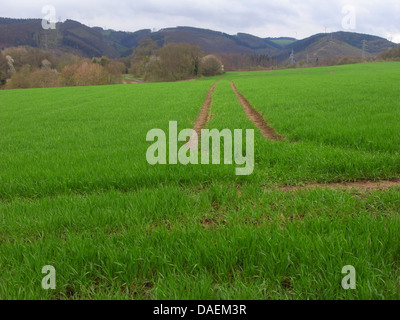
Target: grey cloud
x=259 y=17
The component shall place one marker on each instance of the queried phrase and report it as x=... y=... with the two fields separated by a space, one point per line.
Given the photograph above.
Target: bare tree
x=175 y=61
x=142 y=57
x=3 y=69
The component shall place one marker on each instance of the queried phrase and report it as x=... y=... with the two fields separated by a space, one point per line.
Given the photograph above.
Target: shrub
x=211 y=66
x=91 y=74
x=44 y=78
x=36 y=78
x=3 y=69
x=20 y=79
x=174 y=62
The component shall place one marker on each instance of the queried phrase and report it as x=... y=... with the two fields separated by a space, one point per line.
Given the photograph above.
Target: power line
x=292 y=57
x=364 y=49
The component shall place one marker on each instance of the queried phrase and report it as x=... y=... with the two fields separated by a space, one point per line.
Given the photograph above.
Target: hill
x=75 y=37
x=336 y=44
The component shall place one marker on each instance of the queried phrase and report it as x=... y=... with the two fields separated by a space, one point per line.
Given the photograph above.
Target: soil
x=202 y=118
x=268 y=132
x=365 y=185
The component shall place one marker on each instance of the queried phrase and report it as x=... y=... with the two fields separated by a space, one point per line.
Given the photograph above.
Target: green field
x=77 y=193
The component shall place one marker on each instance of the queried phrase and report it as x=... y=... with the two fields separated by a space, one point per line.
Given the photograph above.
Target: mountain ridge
x=75 y=37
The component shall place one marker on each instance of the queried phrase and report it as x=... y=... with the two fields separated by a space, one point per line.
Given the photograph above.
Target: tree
x=67 y=60
x=115 y=70
x=68 y=75
x=176 y=61
x=34 y=78
x=45 y=64
x=391 y=54
x=211 y=66
x=88 y=74
x=141 y=57
x=44 y=78
x=20 y=79
x=28 y=55
x=3 y=69
x=103 y=61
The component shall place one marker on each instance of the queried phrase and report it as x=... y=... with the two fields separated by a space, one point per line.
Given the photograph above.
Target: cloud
x=264 y=18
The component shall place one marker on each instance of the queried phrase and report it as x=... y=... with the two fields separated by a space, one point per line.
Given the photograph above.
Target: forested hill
x=72 y=36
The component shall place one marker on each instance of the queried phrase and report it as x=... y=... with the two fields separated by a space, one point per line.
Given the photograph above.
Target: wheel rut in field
x=202 y=118
x=362 y=185
x=256 y=117
x=205 y=111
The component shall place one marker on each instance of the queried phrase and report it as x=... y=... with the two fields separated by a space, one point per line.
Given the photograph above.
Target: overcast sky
x=264 y=18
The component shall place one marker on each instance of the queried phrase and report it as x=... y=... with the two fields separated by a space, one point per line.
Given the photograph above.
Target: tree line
x=182 y=61
x=27 y=67
x=392 y=54
x=172 y=62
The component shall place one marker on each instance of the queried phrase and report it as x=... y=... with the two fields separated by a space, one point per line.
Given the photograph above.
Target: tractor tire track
x=362 y=185
x=253 y=115
x=202 y=119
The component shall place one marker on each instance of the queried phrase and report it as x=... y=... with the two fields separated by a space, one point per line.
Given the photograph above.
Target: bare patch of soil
x=213 y=223
x=204 y=114
x=202 y=118
x=268 y=132
x=363 y=185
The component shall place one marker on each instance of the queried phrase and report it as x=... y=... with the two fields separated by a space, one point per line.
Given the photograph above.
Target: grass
x=283 y=42
x=153 y=244
x=348 y=107
x=77 y=193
